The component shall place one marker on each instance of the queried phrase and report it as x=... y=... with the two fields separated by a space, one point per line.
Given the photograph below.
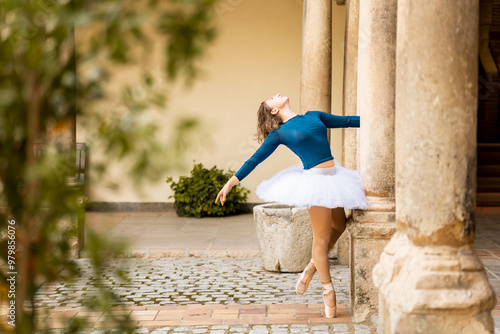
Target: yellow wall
x=256 y=54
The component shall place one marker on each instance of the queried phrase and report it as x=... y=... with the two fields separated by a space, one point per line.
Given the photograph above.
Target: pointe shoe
x=305 y=278
x=329 y=298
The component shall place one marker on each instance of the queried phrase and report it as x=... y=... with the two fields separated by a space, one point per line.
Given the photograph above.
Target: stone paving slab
x=187 y=315
x=163 y=234
x=156 y=252
x=348 y=328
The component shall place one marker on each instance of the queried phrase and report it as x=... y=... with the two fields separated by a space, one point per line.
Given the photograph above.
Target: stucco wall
x=256 y=54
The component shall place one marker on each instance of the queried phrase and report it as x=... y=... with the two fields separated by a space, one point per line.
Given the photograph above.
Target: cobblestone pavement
x=223 y=295
x=195 y=281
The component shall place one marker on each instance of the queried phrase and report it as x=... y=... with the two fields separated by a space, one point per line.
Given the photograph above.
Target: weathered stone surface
x=285 y=237
x=376 y=95
x=425 y=286
x=350 y=93
x=430 y=278
x=316 y=63
x=342 y=254
x=367 y=241
x=371 y=229
x=436 y=163
x=350 y=96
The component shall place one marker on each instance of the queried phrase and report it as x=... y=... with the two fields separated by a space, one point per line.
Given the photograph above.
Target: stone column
x=349 y=106
x=430 y=278
x=350 y=93
x=316 y=62
x=371 y=229
x=316 y=66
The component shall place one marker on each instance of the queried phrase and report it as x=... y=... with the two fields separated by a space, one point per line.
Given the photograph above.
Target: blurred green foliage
x=48 y=80
x=195 y=195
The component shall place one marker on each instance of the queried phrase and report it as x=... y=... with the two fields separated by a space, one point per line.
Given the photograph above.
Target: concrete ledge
x=158 y=252
x=142 y=206
x=129 y=206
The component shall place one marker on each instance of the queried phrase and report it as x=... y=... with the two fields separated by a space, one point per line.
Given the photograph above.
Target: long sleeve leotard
x=305 y=135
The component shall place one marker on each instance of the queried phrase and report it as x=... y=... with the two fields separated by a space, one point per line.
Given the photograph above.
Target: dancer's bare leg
x=338 y=225
x=321 y=219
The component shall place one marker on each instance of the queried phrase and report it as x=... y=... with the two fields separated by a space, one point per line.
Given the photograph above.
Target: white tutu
x=330 y=187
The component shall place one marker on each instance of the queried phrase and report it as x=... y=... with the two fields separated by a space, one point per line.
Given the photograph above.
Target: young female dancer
x=319 y=183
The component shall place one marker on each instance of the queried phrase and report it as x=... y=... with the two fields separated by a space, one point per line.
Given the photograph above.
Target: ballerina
x=319 y=182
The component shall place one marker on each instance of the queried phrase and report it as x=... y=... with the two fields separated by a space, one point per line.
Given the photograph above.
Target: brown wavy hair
x=266 y=122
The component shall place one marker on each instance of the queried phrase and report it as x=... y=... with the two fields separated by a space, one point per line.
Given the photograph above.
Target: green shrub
x=195 y=195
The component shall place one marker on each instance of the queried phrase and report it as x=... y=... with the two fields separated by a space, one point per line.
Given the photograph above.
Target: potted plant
x=195 y=195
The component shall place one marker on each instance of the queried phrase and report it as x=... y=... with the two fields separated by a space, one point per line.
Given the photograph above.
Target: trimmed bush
x=195 y=195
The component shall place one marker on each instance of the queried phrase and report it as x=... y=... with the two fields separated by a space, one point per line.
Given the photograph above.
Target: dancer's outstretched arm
x=334 y=121
x=263 y=152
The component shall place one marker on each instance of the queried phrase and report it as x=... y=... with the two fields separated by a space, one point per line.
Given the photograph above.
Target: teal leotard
x=305 y=135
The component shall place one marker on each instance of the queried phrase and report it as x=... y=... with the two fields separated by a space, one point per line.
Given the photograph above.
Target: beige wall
x=256 y=54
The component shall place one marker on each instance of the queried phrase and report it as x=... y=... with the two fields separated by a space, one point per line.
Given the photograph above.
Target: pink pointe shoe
x=305 y=278
x=330 y=299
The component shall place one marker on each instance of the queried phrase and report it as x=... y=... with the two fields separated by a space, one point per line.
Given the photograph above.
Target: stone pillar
x=371 y=229
x=316 y=62
x=350 y=93
x=349 y=105
x=316 y=66
x=430 y=278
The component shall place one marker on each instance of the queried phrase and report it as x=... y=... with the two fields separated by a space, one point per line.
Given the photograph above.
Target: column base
x=432 y=289
x=343 y=249
x=369 y=233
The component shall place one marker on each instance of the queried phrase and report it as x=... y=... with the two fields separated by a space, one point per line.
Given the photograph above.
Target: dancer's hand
x=222 y=194
x=226 y=189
